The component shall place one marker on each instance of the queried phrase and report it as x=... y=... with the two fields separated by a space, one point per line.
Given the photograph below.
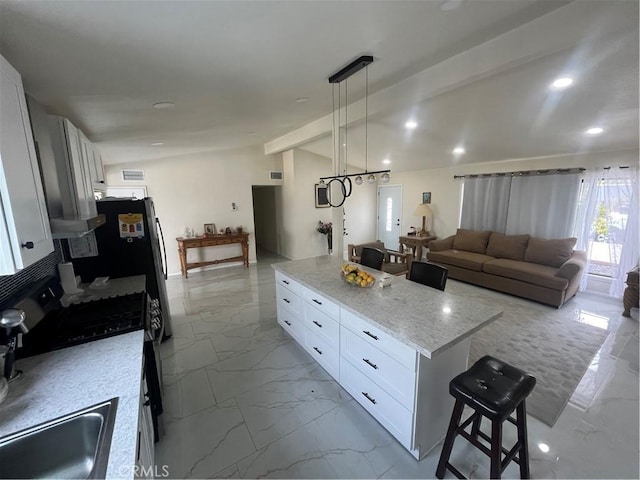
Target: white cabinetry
x=70 y=150
x=404 y=391
x=145 y=453
x=25 y=235
x=93 y=162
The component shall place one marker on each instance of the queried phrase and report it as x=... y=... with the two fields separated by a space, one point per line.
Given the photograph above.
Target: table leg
x=182 y=254
x=245 y=253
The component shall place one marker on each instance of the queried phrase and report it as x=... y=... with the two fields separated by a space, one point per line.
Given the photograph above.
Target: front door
x=389 y=214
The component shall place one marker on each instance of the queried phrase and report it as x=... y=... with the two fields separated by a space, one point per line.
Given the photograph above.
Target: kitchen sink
x=72 y=446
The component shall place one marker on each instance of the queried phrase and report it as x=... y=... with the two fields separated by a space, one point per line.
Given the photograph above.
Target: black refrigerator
x=130 y=243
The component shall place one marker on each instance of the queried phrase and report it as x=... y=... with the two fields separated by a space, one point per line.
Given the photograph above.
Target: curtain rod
x=549 y=171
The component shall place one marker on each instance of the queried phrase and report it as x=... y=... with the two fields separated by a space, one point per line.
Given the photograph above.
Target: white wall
x=298 y=237
x=446 y=192
x=195 y=189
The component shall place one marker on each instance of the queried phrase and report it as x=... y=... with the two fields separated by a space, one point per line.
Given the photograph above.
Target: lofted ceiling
x=234 y=70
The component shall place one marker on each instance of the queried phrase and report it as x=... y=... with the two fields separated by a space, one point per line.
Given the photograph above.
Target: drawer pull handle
x=285 y=281
x=366 y=332
x=317 y=350
x=286 y=300
x=318 y=324
x=287 y=322
x=317 y=301
x=371 y=399
x=370 y=363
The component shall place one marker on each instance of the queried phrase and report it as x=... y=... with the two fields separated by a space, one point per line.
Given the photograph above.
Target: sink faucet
x=12 y=320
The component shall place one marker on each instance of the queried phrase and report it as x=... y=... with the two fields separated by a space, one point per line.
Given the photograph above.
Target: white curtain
x=607 y=225
x=485 y=202
x=543 y=205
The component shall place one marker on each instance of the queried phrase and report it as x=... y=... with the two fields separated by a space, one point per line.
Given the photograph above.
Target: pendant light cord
x=366 y=118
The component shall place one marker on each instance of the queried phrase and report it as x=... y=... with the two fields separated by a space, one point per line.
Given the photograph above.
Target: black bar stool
x=494 y=390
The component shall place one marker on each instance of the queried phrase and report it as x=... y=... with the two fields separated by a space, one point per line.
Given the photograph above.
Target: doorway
x=265 y=220
x=389 y=214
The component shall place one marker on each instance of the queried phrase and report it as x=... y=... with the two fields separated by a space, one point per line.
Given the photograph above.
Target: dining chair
x=428 y=274
x=372 y=258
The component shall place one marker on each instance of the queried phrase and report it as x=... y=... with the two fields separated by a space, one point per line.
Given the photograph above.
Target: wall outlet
x=234 y=207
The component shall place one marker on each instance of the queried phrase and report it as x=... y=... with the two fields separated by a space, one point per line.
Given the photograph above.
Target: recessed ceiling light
x=561 y=82
x=302 y=99
x=594 y=131
x=386 y=161
x=544 y=448
x=157 y=144
x=161 y=105
x=411 y=124
x=458 y=151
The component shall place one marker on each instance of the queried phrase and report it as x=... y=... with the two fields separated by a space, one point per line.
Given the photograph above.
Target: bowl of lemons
x=352 y=275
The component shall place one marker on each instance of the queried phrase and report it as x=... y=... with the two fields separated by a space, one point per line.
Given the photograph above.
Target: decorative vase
x=330 y=242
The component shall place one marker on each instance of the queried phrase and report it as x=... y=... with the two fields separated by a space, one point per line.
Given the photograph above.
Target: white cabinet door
x=88 y=169
x=145 y=458
x=25 y=236
x=99 y=182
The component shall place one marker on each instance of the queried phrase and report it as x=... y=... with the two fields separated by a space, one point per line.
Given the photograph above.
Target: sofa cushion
x=471 y=240
x=526 y=272
x=511 y=247
x=552 y=253
x=469 y=260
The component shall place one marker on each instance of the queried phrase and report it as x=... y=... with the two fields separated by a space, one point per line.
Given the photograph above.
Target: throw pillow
x=471 y=241
x=511 y=247
x=552 y=253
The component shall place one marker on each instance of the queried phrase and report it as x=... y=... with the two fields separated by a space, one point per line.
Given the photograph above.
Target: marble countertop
x=61 y=382
x=114 y=287
x=426 y=319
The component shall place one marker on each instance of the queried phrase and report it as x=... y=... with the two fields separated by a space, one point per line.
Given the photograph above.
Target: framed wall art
x=210 y=229
x=426 y=197
x=322 y=196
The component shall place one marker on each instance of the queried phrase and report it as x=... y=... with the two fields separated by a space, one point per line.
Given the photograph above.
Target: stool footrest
x=455 y=471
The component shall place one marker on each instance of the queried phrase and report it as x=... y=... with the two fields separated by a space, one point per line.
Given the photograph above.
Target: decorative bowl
x=355 y=277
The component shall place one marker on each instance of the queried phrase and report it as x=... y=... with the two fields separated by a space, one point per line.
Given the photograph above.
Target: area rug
x=548 y=343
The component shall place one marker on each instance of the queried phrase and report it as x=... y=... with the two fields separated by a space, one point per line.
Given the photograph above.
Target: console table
x=416 y=242
x=212 y=241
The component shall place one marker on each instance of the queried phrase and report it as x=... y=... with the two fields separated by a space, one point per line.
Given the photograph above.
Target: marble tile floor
x=243 y=400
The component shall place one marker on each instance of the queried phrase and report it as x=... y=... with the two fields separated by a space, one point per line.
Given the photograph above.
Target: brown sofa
x=547 y=271
x=395 y=263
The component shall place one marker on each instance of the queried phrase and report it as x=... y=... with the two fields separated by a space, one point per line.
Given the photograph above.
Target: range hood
x=65 y=176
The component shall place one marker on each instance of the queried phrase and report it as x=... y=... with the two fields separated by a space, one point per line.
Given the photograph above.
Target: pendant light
x=344 y=179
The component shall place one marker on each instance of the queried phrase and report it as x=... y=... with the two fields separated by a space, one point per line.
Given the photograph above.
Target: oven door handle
x=164 y=249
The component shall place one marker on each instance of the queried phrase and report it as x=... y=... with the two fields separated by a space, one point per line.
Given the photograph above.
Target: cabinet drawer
x=321 y=303
x=381 y=340
x=289 y=300
x=325 y=354
x=292 y=324
x=385 y=409
x=396 y=379
x=322 y=325
x=285 y=281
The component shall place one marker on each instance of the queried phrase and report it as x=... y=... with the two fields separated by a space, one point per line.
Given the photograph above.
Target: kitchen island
x=394 y=349
x=63 y=381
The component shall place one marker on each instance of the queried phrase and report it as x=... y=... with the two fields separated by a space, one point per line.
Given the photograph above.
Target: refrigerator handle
x=164 y=249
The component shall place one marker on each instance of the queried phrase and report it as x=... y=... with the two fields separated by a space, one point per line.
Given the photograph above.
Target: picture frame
x=210 y=229
x=426 y=197
x=322 y=195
